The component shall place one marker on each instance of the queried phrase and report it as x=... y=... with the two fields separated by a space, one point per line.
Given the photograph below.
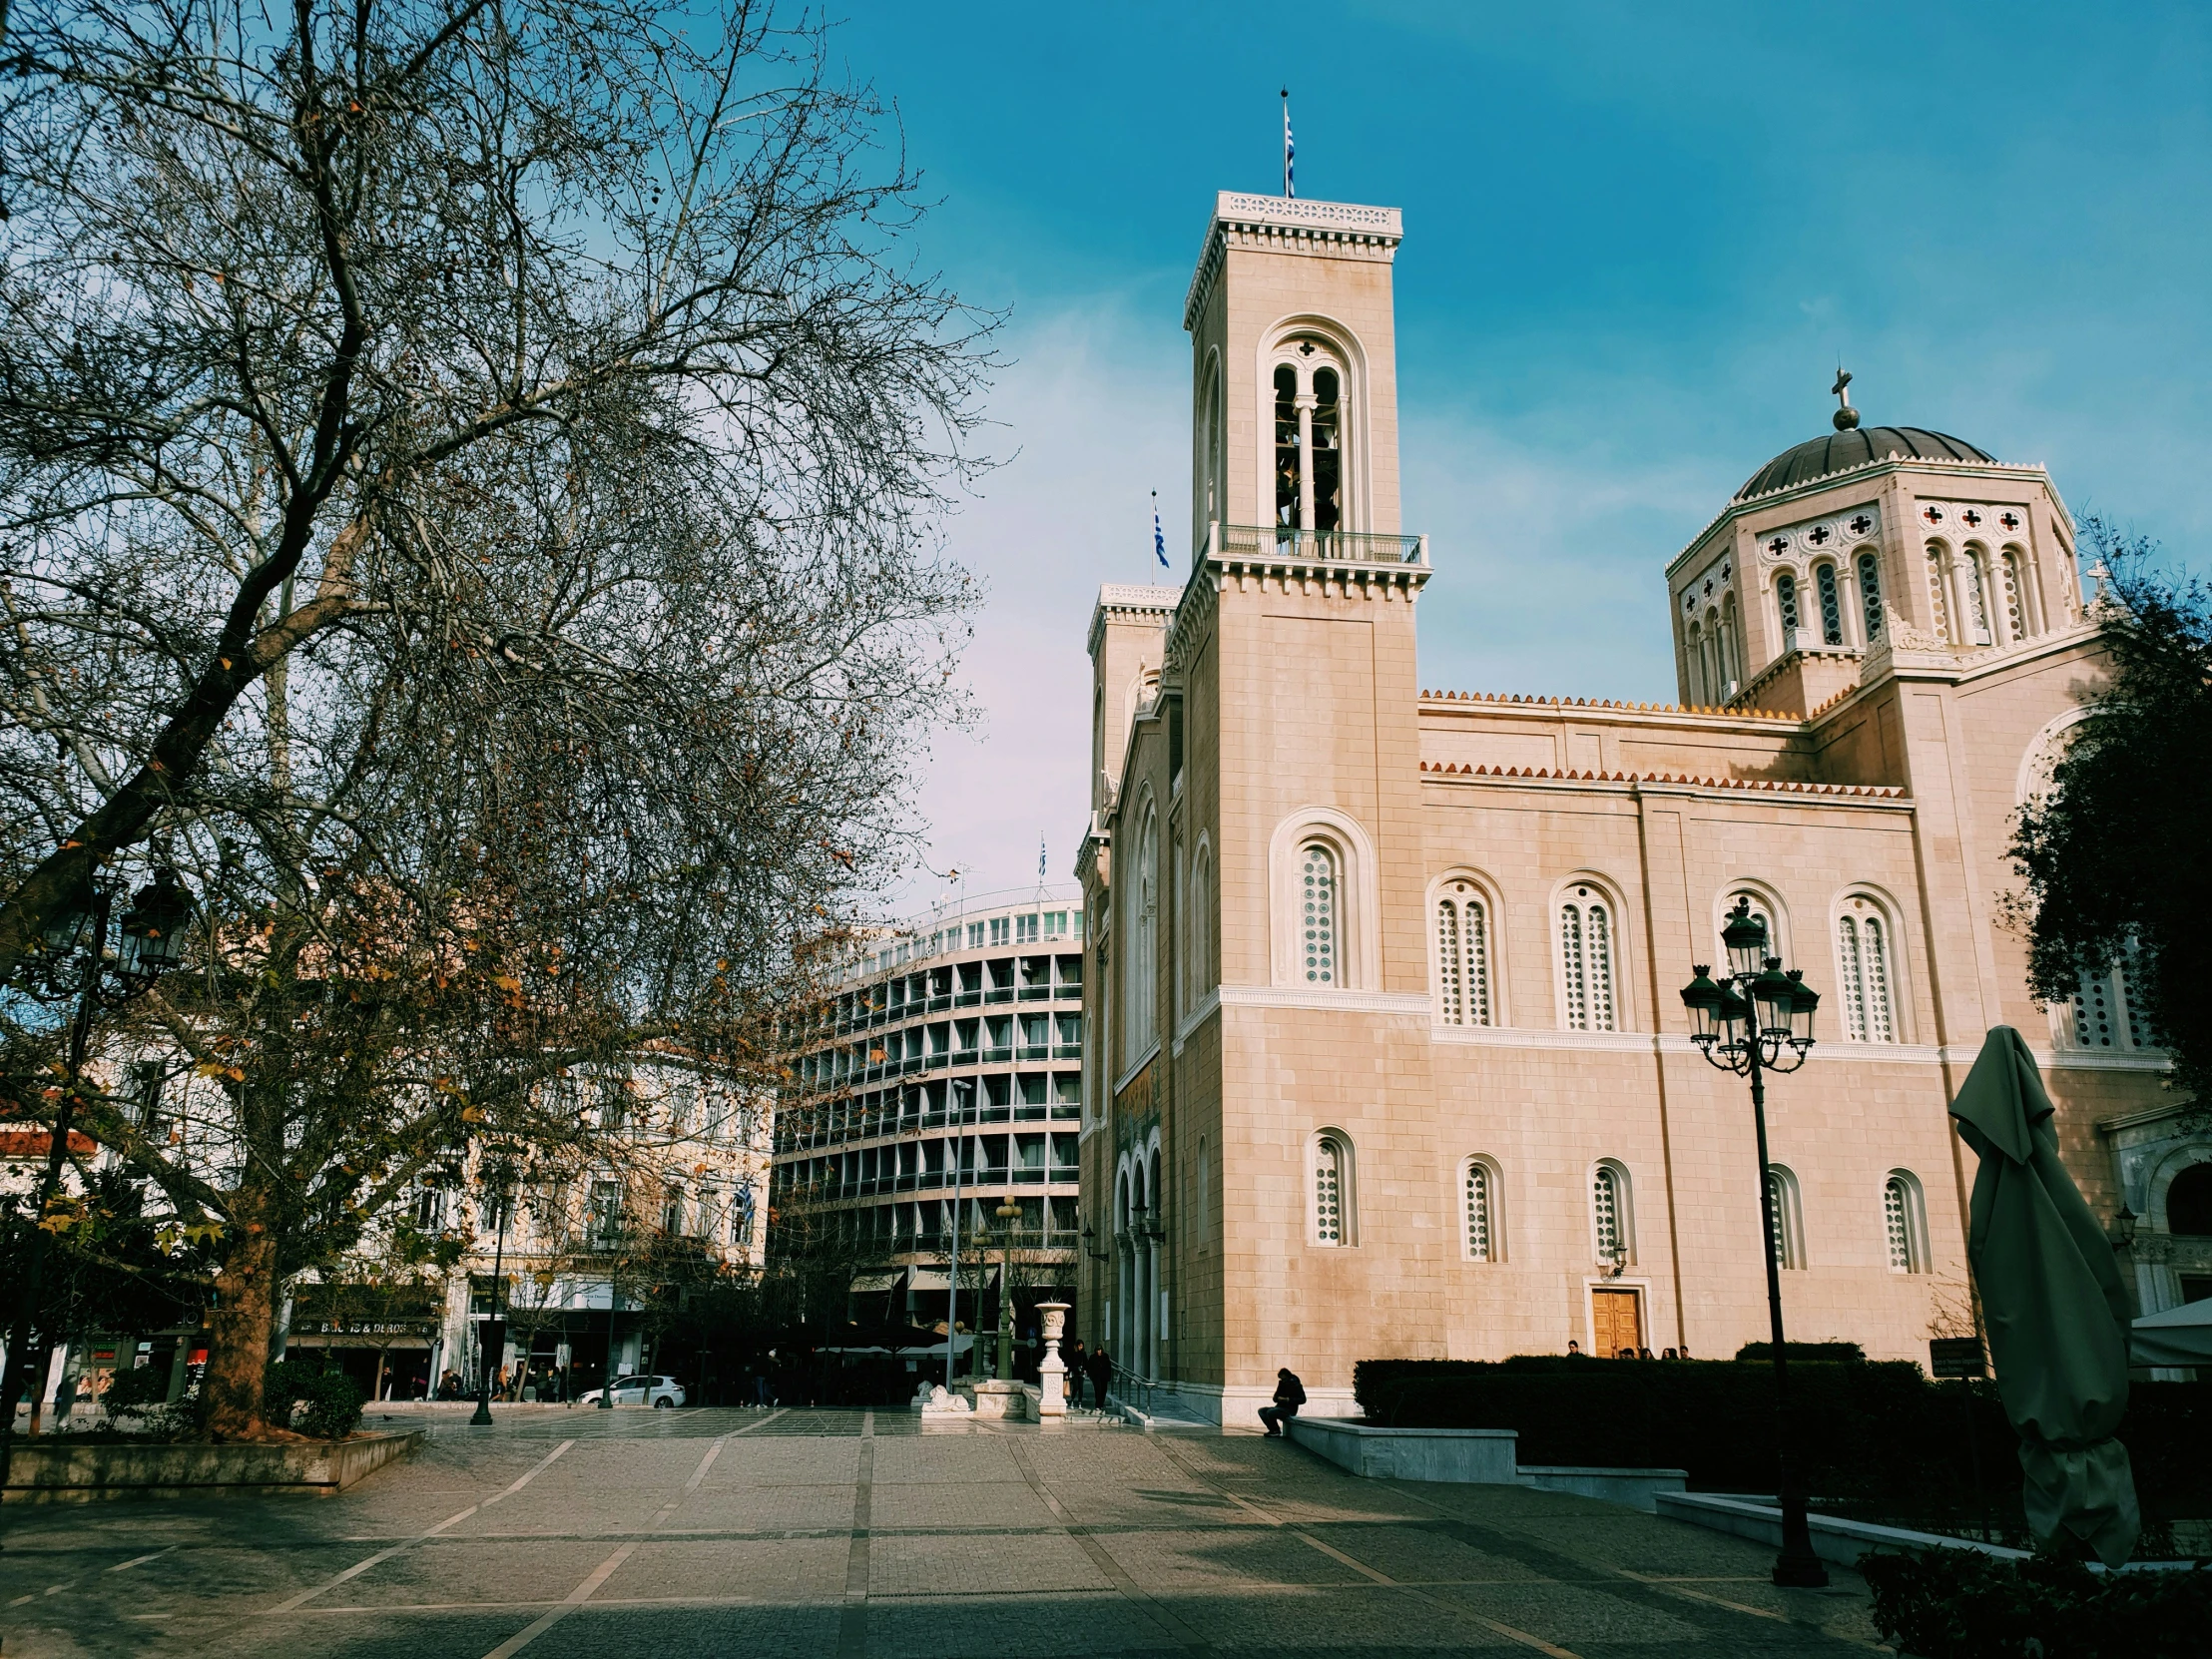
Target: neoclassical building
x=1388 y=1054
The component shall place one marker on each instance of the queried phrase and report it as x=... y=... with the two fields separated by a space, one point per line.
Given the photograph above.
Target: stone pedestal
x=1052 y=1393
x=997 y=1398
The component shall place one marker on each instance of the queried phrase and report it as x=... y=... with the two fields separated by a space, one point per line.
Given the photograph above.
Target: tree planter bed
x=56 y=1472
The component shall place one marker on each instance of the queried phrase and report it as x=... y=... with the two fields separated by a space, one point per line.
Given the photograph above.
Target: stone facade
x=1387 y=1053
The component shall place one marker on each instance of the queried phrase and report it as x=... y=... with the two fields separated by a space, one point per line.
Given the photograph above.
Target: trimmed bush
x=315 y=1399
x=1961 y=1604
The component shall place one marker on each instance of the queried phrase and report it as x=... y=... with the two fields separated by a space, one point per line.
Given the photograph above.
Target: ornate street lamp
x=74 y=959
x=1754 y=1020
x=497 y=1175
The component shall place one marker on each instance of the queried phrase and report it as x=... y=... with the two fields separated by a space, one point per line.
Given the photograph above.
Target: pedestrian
x=64 y=1399
x=764 y=1391
x=1290 y=1394
x=1102 y=1377
x=1574 y=1349
x=1078 y=1359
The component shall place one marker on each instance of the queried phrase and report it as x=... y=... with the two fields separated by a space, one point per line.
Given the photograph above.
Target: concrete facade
x=1283 y=1108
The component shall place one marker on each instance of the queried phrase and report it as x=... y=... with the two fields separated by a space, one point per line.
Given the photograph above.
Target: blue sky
x=1637 y=239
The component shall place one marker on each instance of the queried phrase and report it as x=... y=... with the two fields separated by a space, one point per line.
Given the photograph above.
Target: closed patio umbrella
x=2179 y=1336
x=2057 y=1315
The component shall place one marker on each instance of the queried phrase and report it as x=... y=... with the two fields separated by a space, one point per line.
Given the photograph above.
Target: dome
x=1861 y=445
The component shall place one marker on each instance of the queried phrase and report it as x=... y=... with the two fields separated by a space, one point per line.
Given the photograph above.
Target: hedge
x=1877 y=1434
x=1961 y=1604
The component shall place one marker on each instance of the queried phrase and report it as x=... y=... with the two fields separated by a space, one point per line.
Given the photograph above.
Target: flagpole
x=1290 y=152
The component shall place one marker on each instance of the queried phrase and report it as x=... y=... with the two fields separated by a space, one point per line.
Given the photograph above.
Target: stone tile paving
x=830 y=1534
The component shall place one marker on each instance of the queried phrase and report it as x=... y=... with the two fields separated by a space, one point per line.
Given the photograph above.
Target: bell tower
x=1294 y=413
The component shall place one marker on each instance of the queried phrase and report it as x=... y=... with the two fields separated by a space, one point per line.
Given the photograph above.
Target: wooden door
x=1614 y=1323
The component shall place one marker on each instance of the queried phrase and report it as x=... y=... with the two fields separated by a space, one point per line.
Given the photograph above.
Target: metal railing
x=1269 y=541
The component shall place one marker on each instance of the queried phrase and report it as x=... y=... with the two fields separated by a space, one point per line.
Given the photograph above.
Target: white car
x=663 y=1393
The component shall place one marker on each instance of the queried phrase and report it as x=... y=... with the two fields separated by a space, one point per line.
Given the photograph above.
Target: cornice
x=1286 y=224
x=1337 y=1003
x=1128 y=599
x=1329 y=578
x=1638 y=783
x=1886 y=466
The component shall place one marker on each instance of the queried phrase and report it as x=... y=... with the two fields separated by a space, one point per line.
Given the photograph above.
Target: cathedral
x=1386 y=1049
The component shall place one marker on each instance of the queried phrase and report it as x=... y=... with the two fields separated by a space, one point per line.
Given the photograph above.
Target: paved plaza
x=815 y=1534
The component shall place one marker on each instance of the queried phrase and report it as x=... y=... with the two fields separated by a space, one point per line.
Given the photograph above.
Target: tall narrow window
x=1869 y=594
x=1694 y=652
x=1782 y=1219
x=1904 y=1227
x=1977 y=597
x=1478 y=1211
x=1285 y=447
x=1451 y=994
x=1785 y=598
x=1938 y=613
x=1462 y=961
x=1328 y=450
x=1831 y=605
x=1330 y=1183
x=2126 y=978
x=1318 y=898
x=2095 y=1026
x=1586 y=961
x=1605 y=1213
x=1863 y=952
x=2015 y=619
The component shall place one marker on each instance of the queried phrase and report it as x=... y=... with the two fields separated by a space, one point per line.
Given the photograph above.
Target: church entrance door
x=1616 y=1323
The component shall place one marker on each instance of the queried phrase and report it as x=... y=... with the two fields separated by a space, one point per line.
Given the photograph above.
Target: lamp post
x=496 y=1176
x=1008 y=1212
x=1754 y=1020
x=74 y=959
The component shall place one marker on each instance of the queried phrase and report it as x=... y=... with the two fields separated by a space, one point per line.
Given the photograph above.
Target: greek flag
x=1290 y=151
x=1158 y=540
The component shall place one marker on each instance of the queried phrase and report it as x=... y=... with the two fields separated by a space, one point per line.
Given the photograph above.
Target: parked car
x=663 y=1393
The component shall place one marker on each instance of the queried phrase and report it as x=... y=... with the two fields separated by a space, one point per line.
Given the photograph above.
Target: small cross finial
x=1845 y=418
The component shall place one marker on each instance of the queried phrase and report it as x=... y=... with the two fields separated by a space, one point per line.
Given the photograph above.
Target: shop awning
x=863 y=1281
x=940 y=1278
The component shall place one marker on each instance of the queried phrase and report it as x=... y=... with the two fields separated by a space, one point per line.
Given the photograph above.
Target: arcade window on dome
x=1308 y=441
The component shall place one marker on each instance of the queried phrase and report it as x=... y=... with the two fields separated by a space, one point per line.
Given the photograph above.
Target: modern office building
x=963 y=1030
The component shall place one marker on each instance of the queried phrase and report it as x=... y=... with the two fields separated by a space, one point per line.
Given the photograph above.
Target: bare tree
x=469 y=479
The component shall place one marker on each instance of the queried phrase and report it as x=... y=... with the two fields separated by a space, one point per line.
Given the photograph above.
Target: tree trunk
x=243 y=1318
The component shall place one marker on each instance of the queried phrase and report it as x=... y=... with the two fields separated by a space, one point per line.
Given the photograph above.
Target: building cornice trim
x=1196 y=1017
x=1151 y=1053
x=1339 y=1002
x=1287 y=224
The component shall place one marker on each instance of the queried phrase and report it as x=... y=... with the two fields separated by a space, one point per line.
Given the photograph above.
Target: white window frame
x=1493 y=1183
x=1358 y=904
x=1913 y=1216
x=1329 y=1149
x=1582 y=891
x=1788 y=1220
x=1624 y=1212
x=1461 y=888
x=1857 y=904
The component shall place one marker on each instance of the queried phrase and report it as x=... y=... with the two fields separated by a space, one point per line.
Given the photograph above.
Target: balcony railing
x=1247 y=541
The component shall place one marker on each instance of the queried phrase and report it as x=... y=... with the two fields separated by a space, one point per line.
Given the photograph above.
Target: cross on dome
x=1845 y=418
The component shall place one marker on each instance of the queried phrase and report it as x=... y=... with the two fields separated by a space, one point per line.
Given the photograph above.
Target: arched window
x=1869 y=594
x=1863 y=974
x=1287 y=467
x=1586 y=960
x=1938 y=613
x=1332 y=1188
x=2015 y=616
x=1610 y=1231
x=1140 y=974
x=2108 y=1011
x=1318 y=895
x=1732 y=647
x=1202 y=922
x=1905 y=1222
x=1478 y=1209
x=1784 y=1220
x=1694 y=655
x=1974 y=585
x=1785 y=599
x=1328 y=450
x=2189 y=1201
x=1462 y=958
x=1832 y=604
